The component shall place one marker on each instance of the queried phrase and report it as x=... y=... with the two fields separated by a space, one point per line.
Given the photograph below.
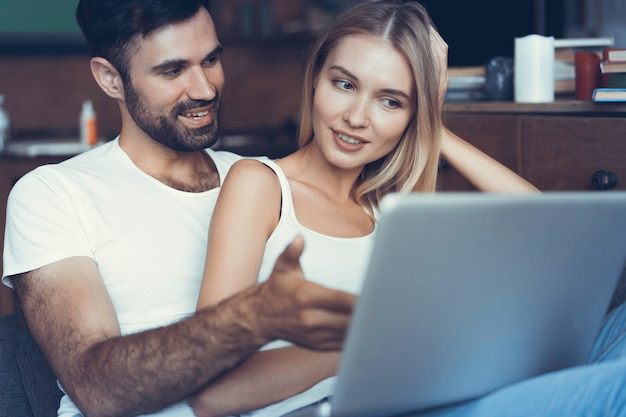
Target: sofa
x=28 y=386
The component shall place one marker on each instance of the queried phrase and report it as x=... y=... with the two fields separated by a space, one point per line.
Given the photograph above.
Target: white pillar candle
x=534 y=69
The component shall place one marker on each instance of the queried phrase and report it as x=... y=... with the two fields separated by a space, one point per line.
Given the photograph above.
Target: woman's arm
x=246 y=214
x=267 y=377
x=484 y=172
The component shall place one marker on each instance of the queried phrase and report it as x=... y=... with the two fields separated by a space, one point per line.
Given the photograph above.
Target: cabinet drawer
x=563 y=153
x=496 y=135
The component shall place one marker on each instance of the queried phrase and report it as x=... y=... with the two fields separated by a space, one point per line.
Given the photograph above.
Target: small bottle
x=88 y=124
x=4 y=125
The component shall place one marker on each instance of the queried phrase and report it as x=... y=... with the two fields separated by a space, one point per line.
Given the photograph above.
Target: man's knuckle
x=309 y=320
x=302 y=296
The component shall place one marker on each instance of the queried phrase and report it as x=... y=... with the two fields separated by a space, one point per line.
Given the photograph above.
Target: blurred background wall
x=44 y=72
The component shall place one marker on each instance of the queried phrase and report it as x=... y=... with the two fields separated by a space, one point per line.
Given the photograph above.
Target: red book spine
x=612 y=54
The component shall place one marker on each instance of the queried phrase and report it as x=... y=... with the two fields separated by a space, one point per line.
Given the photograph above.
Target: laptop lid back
x=469 y=292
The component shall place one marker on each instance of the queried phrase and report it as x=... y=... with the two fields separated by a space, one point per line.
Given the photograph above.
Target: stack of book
x=466 y=84
x=564 y=59
x=613 y=68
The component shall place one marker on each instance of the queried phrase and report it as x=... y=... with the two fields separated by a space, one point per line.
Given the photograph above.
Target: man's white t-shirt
x=148 y=239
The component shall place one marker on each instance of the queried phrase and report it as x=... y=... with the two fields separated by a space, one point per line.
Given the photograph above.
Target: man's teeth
x=200 y=114
x=348 y=139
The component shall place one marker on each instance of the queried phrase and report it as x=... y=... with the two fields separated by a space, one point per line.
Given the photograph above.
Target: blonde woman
x=370 y=124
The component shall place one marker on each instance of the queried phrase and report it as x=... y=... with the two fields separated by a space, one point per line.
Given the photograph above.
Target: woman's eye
x=344 y=85
x=391 y=103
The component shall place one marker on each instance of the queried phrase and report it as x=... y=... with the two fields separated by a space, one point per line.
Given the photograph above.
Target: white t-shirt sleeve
x=41 y=226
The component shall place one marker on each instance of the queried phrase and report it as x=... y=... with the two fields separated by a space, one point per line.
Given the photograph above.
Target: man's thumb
x=292 y=253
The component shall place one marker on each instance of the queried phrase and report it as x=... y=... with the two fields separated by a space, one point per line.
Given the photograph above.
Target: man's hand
x=302 y=312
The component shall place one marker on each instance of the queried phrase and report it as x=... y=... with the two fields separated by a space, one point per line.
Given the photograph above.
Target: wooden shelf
x=564 y=107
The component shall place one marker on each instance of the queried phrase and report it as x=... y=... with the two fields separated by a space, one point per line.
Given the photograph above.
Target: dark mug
x=499 y=79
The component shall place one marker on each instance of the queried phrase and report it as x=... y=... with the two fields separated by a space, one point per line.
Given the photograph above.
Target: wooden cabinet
x=563 y=153
x=556 y=146
x=11 y=169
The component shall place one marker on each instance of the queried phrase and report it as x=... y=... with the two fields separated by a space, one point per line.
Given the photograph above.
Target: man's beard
x=166 y=129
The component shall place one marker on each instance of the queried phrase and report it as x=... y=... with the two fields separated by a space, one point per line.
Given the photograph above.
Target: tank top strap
x=286 y=208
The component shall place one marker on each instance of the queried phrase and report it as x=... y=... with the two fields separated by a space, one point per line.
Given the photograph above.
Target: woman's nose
x=357 y=113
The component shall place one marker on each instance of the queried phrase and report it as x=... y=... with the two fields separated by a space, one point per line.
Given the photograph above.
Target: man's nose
x=201 y=86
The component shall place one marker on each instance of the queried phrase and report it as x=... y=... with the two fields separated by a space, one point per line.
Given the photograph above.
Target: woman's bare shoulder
x=252 y=175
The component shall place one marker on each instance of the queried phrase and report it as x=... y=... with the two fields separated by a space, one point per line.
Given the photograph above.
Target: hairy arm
x=73 y=321
x=245 y=216
x=72 y=318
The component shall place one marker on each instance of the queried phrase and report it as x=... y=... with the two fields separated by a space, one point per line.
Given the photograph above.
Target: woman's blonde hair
x=412 y=165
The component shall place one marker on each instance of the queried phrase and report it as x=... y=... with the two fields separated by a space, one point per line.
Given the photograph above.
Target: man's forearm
x=148 y=371
x=75 y=324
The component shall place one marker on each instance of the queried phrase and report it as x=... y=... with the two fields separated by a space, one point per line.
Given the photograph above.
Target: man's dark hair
x=111 y=27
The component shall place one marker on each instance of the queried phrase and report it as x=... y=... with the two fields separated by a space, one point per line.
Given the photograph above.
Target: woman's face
x=363 y=101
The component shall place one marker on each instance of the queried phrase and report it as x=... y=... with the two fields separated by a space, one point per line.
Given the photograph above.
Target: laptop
x=469 y=292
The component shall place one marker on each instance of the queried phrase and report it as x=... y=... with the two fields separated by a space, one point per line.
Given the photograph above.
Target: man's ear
x=107 y=77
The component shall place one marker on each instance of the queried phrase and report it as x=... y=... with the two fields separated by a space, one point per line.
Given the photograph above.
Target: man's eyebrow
x=354 y=77
x=171 y=63
x=217 y=51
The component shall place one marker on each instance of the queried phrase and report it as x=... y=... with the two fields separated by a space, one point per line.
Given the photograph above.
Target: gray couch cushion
x=27 y=384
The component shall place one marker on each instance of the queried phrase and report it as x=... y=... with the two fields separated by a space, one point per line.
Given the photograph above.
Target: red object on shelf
x=588 y=75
